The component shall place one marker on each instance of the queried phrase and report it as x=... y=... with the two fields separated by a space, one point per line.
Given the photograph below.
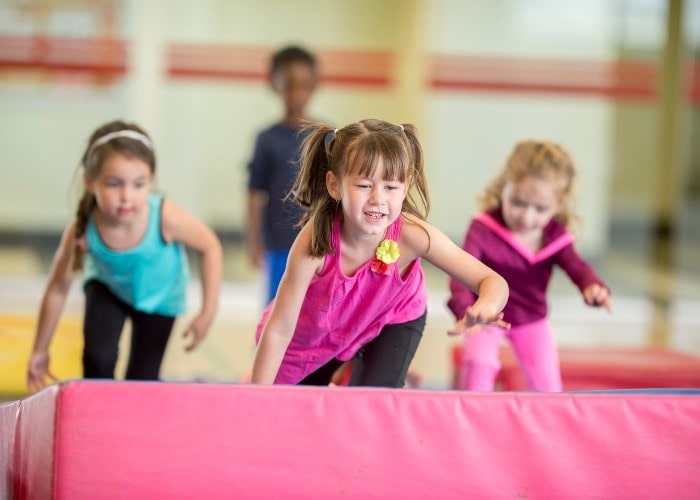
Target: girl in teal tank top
x=130 y=245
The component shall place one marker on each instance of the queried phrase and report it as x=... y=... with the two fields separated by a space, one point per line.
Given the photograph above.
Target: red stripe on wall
x=613 y=79
x=107 y=58
x=216 y=61
x=374 y=68
x=251 y=63
x=99 y=56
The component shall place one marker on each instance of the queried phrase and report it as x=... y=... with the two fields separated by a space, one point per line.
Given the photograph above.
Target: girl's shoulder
x=412 y=225
x=173 y=218
x=71 y=227
x=66 y=247
x=300 y=254
x=416 y=234
x=68 y=237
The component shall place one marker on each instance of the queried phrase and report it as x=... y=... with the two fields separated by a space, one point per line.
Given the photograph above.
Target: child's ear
x=332 y=185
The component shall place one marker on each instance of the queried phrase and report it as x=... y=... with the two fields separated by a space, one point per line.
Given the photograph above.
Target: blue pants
x=275 y=263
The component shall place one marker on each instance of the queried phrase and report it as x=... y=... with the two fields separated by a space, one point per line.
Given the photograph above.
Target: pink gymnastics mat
x=103 y=439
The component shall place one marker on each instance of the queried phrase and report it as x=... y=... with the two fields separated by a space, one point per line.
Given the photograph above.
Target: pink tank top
x=342 y=313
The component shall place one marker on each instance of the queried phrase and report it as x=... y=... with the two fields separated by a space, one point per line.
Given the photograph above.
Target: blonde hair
x=540 y=159
x=356 y=148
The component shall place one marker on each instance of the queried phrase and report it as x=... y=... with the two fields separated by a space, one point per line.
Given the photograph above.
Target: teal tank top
x=152 y=277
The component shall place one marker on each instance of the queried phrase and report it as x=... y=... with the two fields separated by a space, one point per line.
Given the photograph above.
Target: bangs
x=364 y=157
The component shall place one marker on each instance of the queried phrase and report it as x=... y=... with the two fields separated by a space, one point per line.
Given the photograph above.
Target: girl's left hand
x=596 y=295
x=196 y=330
x=473 y=319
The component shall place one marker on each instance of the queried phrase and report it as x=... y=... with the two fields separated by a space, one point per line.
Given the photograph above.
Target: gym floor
x=652 y=306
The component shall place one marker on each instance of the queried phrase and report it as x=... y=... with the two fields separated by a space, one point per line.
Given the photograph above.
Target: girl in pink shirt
x=522 y=234
x=353 y=287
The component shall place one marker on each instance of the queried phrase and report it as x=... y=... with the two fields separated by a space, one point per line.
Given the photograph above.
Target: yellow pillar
x=410 y=71
x=669 y=193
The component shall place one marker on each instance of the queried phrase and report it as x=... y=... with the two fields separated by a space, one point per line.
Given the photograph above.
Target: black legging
x=383 y=362
x=104 y=321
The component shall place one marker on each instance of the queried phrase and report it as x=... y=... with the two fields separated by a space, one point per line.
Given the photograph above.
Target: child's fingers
x=35 y=383
x=477 y=320
x=53 y=377
x=598 y=296
x=195 y=337
x=500 y=323
x=459 y=328
x=470 y=323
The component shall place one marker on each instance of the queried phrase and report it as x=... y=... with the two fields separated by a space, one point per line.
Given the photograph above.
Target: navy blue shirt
x=273 y=169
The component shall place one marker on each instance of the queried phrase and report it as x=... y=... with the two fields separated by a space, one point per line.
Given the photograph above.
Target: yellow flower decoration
x=388 y=251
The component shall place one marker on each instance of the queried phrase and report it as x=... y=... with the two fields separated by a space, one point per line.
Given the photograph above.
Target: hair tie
x=330 y=137
x=131 y=134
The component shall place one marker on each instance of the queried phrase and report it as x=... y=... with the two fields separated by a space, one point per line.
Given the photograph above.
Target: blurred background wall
x=614 y=81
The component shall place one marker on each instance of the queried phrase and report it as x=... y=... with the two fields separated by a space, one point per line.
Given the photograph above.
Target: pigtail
x=309 y=189
x=85 y=207
x=419 y=207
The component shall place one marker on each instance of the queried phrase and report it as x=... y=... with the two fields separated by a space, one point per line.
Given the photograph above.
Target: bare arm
x=52 y=303
x=179 y=225
x=421 y=239
x=594 y=290
x=256 y=202
x=279 y=329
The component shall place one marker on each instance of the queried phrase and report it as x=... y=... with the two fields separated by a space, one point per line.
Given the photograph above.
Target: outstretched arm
x=52 y=303
x=594 y=290
x=426 y=241
x=281 y=324
x=179 y=225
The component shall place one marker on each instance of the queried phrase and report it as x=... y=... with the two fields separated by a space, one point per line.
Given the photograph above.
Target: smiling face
x=529 y=204
x=370 y=203
x=121 y=188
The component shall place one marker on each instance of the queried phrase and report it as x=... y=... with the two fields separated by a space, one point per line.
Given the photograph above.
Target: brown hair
x=541 y=159
x=94 y=157
x=356 y=148
x=291 y=54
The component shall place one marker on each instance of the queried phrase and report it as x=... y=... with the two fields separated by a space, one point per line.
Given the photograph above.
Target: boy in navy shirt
x=272 y=220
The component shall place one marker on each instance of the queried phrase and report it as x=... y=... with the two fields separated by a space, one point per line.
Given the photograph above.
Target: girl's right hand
x=38 y=371
x=197 y=330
